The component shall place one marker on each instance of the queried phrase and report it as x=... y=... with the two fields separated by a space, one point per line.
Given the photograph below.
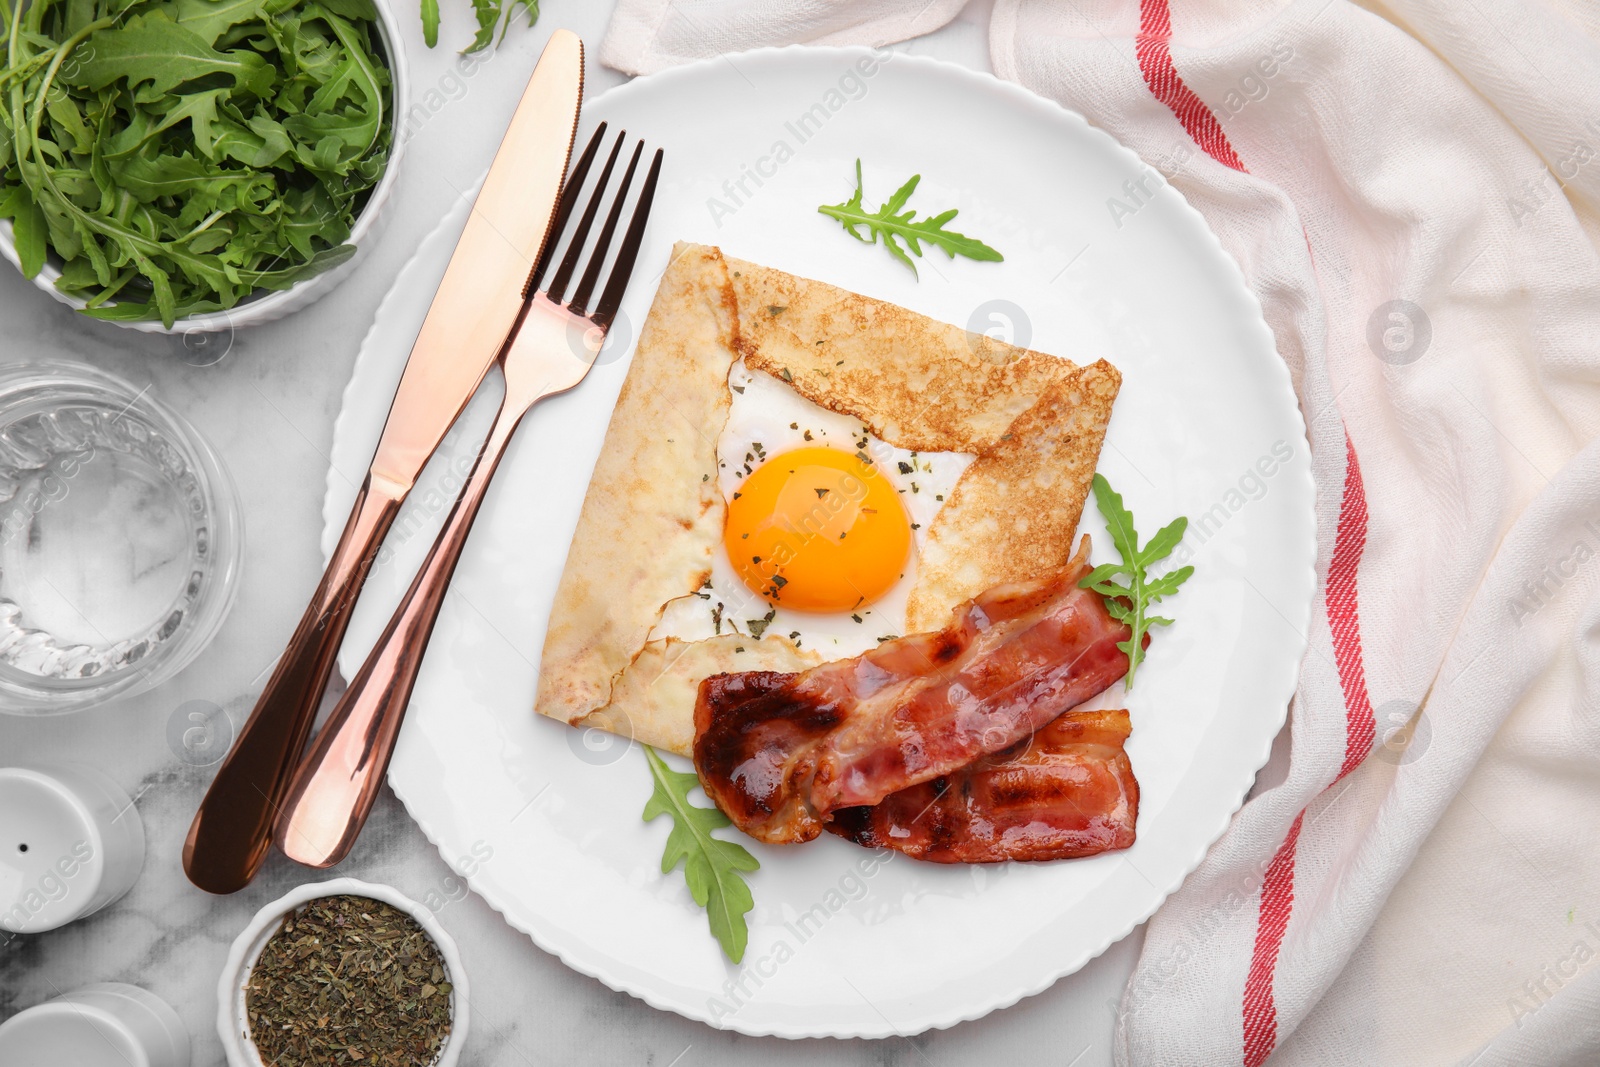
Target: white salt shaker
x=109 y=1025
x=71 y=842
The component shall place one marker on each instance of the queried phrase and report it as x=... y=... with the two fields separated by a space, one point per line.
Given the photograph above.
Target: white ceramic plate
x=544 y=820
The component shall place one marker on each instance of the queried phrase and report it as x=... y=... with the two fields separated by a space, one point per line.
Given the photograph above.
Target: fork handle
x=232 y=829
x=337 y=782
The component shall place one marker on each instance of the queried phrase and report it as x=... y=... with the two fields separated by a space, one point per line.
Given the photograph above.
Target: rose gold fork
x=550 y=350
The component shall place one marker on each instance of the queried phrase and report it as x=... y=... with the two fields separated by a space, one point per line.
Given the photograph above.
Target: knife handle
x=232 y=830
x=337 y=782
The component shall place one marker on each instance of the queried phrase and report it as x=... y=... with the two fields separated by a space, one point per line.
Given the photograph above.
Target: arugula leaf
x=711 y=865
x=354 y=10
x=488 y=13
x=28 y=228
x=1130 y=603
x=153 y=49
x=262 y=144
x=199 y=108
x=530 y=6
x=430 y=22
x=894 y=227
x=208 y=18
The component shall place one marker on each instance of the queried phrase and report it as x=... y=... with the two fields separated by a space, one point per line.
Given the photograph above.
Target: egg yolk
x=818 y=529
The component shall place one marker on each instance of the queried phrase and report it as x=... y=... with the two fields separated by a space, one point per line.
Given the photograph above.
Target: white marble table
x=268 y=406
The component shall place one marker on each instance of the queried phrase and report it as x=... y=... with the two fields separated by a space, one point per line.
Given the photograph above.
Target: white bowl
x=273 y=305
x=231 y=1018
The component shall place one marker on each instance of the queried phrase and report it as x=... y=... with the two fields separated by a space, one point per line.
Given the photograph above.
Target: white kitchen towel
x=649 y=35
x=1413 y=192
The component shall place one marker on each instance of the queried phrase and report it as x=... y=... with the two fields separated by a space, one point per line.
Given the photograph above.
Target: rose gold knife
x=473 y=312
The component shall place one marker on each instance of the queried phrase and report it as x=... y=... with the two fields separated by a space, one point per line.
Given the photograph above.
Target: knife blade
x=481 y=294
x=472 y=314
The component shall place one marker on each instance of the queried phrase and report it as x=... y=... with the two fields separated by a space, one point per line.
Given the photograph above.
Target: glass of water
x=120 y=539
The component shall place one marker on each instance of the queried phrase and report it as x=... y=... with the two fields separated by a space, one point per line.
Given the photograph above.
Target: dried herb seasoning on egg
x=349 y=980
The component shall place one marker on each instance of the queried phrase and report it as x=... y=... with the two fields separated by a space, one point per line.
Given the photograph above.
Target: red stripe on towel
x=1155 y=63
x=1277 y=901
x=1344 y=617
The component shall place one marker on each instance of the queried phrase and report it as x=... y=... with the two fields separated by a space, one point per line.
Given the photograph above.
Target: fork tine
x=580 y=298
x=558 y=222
x=569 y=262
x=611 y=299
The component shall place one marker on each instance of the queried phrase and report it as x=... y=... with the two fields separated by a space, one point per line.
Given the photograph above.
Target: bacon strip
x=1067 y=791
x=779 y=752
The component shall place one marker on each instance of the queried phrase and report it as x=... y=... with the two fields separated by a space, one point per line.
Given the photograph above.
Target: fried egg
x=823 y=527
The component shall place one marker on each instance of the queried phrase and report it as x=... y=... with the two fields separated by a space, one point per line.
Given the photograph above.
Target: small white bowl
x=277 y=303
x=232 y=1026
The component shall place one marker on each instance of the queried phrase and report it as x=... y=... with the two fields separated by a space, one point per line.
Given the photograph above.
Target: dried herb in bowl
x=349 y=980
x=178 y=155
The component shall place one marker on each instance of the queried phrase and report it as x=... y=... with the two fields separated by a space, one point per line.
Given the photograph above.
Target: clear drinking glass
x=120 y=539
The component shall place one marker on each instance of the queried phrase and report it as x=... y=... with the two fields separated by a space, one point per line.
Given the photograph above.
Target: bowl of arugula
x=195 y=165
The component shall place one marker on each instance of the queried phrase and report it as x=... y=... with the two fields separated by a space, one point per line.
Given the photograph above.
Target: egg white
x=766 y=419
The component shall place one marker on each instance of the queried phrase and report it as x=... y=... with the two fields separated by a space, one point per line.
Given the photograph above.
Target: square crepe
x=1029 y=426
